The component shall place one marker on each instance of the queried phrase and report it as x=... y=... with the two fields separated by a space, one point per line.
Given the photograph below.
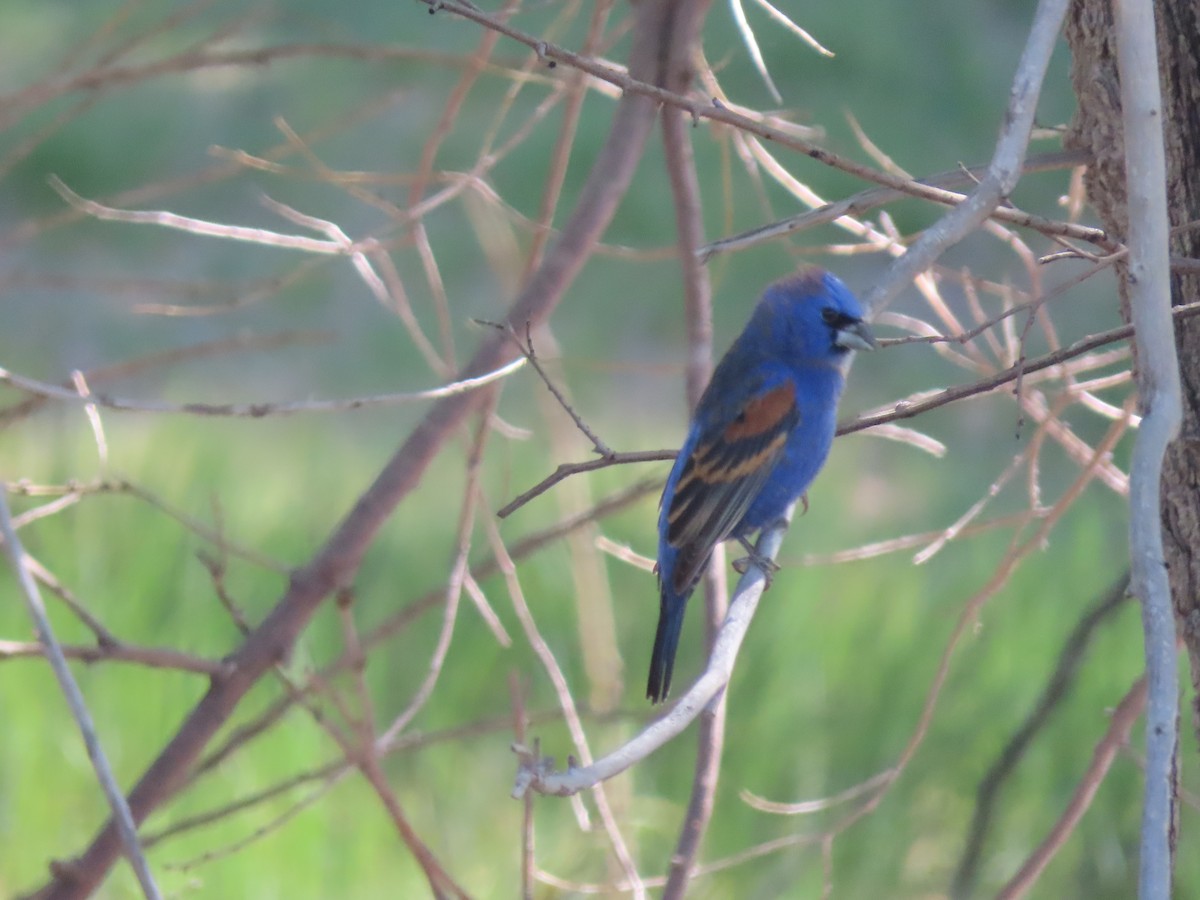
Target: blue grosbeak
x=758 y=437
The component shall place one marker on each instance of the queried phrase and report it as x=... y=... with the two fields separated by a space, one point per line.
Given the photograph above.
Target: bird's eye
x=830 y=316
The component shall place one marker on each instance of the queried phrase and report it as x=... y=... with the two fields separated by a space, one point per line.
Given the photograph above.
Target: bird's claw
x=765 y=564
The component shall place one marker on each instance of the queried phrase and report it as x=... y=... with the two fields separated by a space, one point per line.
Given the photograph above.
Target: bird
x=758 y=436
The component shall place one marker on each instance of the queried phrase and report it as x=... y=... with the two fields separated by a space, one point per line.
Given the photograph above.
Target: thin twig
x=526 y=348
x=871 y=198
x=566 y=470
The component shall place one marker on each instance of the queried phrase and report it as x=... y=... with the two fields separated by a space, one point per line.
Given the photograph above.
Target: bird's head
x=816 y=316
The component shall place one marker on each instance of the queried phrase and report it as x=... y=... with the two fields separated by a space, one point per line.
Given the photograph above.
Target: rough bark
x=1097 y=129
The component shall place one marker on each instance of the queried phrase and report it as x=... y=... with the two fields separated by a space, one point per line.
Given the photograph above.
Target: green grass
x=827 y=692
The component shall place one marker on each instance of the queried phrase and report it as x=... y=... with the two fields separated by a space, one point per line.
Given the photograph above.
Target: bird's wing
x=728 y=465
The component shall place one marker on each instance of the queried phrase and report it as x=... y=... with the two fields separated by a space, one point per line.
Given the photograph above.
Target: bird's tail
x=666 y=641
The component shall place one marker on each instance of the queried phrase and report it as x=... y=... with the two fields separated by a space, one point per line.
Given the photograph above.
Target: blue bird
x=758 y=437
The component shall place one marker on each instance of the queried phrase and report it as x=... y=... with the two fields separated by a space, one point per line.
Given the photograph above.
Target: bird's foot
x=767 y=565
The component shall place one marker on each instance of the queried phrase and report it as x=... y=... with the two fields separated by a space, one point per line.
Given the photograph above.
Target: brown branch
x=335 y=564
x=400 y=620
x=1117 y=735
x=906 y=409
x=566 y=470
x=710 y=736
x=1052 y=694
x=151 y=657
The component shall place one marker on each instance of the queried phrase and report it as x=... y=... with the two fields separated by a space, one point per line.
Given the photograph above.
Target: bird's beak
x=855 y=337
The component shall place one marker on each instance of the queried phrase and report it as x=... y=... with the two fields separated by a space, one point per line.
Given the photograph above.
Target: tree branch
x=1158 y=382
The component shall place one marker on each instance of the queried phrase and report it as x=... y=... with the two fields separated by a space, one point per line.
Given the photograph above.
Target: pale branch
x=125 y=824
x=566 y=702
x=254 y=410
x=752 y=48
x=795 y=29
x=1002 y=173
x=1149 y=291
x=165 y=219
x=537 y=773
x=164 y=358
x=820 y=804
x=520 y=726
x=874 y=197
x=455 y=582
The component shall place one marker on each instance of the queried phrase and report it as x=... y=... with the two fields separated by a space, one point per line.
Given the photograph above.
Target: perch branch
x=538 y=774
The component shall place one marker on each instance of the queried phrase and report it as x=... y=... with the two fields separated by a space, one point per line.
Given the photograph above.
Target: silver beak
x=855 y=337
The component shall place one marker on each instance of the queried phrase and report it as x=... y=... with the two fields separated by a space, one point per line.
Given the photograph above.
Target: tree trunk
x=1097 y=128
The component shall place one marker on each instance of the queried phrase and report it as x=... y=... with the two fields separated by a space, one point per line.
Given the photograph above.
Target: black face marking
x=837 y=319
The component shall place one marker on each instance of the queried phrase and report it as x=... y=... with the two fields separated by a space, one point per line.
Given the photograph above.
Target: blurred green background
x=834 y=672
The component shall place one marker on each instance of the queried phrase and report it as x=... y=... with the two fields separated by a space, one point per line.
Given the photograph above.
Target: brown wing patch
x=763 y=414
